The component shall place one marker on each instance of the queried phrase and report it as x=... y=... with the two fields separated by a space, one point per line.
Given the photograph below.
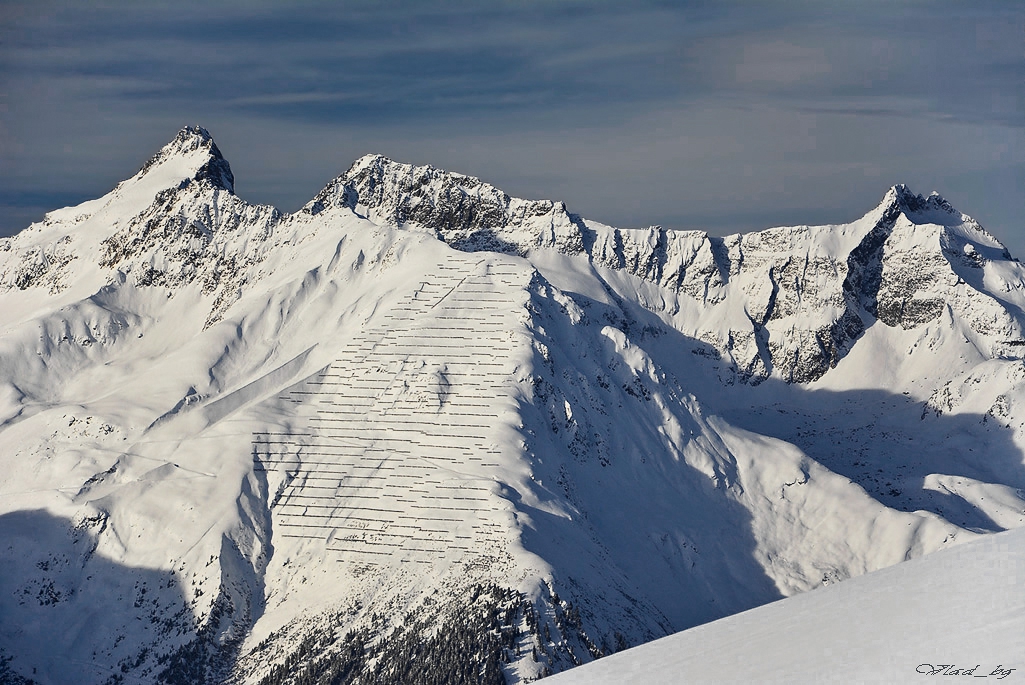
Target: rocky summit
x=423 y=432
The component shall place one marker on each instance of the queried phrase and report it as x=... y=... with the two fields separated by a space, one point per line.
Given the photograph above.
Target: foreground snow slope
x=956 y=611
x=420 y=430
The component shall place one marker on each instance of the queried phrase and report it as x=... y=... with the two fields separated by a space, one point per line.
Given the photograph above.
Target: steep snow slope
x=422 y=430
x=960 y=612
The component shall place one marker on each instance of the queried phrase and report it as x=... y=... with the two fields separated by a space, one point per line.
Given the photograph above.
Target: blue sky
x=709 y=115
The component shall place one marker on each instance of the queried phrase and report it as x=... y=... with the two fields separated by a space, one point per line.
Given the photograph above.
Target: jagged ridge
x=805 y=306
x=836 y=295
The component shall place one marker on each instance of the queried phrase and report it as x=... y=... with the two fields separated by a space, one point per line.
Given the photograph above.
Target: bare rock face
x=194 y=233
x=43 y=266
x=909 y=292
x=461 y=210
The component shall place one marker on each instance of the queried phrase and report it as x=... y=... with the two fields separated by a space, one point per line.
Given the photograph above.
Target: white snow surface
x=227 y=430
x=957 y=613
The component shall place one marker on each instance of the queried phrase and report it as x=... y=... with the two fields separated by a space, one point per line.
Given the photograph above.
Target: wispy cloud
x=675 y=113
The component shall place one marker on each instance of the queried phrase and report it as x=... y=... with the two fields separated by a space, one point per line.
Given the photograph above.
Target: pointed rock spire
x=933 y=209
x=190 y=141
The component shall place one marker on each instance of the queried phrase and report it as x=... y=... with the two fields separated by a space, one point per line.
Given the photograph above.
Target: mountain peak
x=369 y=171
x=461 y=210
x=401 y=193
x=190 y=142
x=373 y=159
x=933 y=209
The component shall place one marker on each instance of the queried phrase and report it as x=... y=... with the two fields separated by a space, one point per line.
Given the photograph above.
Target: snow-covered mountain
x=420 y=431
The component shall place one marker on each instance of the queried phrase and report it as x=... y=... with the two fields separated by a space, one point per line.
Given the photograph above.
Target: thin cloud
x=701 y=114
